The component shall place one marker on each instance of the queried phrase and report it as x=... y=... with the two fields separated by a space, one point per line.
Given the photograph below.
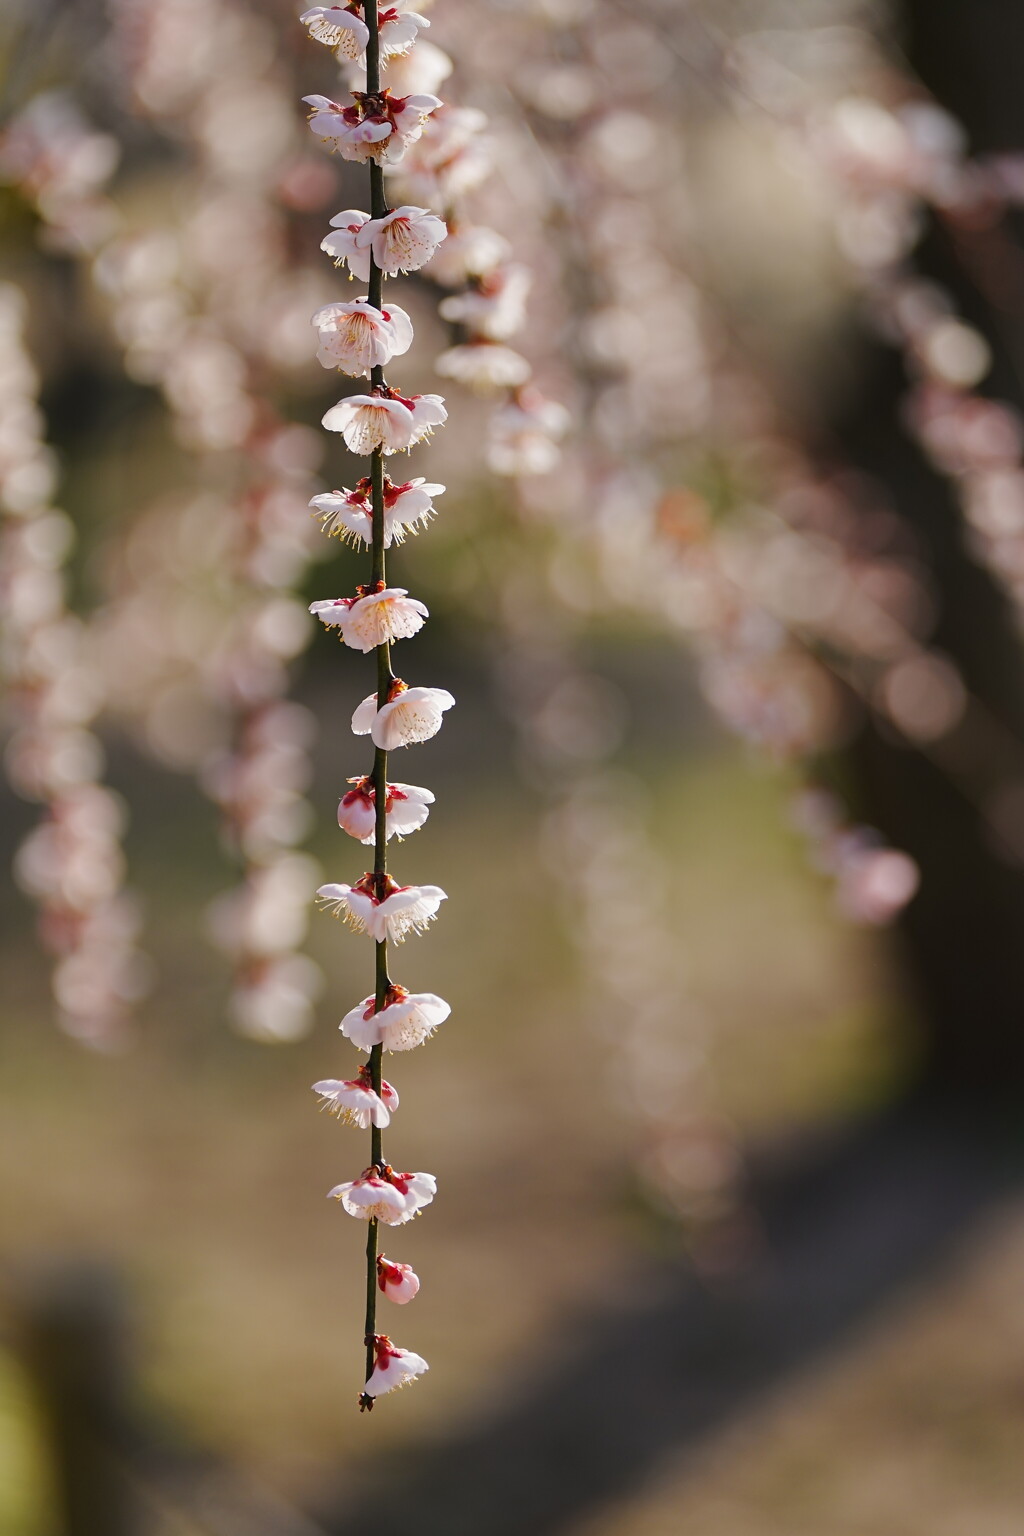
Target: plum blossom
x=407 y=807
x=405 y=1021
x=398 y=29
x=409 y=716
x=449 y=158
x=524 y=434
x=372 y=126
x=380 y=1194
x=355 y=1102
x=372 y=618
x=340 y=28
x=341 y=244
x=469 y=251
x=349 y=514
x=403 y=240
x=356 y=337
x=404 y=909
x=399 y=1282
x=392 y=1368
x=344 y=30
x=386 y=421
x=496 y=307
x=484 y=366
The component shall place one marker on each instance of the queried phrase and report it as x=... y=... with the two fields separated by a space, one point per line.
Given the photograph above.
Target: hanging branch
x=360 y=338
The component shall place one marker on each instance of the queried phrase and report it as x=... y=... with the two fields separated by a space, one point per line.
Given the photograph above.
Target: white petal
x=365 y=715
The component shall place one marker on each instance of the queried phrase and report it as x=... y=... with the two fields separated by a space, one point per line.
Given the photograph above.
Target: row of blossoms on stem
x=361 y=337
x=443 y=160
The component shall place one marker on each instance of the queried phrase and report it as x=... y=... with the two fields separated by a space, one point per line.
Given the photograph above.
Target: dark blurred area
x=726 y=1119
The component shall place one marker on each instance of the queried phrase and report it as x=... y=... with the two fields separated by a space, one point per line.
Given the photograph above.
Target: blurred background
x=728 y=581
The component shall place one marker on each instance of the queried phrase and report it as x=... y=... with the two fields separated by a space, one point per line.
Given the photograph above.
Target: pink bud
x=399 y=1282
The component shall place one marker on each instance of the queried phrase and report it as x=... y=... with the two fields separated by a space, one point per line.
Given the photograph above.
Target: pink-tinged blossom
x=339 y=28
x=399 y=1282
x=450 y=158
x=496 y=307
x=349 y=514
x=352 y=133
x=370 y=127
x=341 y=245
x=383 y=1195
x=874 y=884
x=357 y=336
x=404 y=240
x=390 y=423
x=355 y=1101
x=525 y=434
x=393 y=1367
x=344 y=30
x=406 y=809
x=411 y=715
x=398 y=29
x=373 y=618
x=469 y=251
x=403 y=909
x=484 y=366
x=406 y=1020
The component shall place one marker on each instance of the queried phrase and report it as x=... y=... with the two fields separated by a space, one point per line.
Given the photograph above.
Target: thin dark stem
x=378 y=206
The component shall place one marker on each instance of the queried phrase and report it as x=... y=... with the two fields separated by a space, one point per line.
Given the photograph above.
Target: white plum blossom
x=524 y=434
x=399 y=1282
x=344 y=30
x=339 y=28
x=469 y=251
x=403 y=240
x=405 y=1021
x=484 y=366
x=357 y=336
x=341 y=244
x=390 y=423
x=355 y=1102
x=449 y=158
x=404 y=909
x=392 y=1368
x=414 y=714
x=372 y=618
x=379 y=127
x=383 y=1195
x=496 y=307
x=407 y=807
x=353 y=134
x=408 y=114
x=349 y=514
x=398 y=29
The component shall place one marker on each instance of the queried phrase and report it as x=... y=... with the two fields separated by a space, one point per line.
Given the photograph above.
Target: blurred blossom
x=873 y=883
x=71 y=863
x=63 y=164
x=924 y=696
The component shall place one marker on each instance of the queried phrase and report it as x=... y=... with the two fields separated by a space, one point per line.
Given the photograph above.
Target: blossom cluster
x=360 y=338
x=443 y=159
x=71 y=863
x=200 y=624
